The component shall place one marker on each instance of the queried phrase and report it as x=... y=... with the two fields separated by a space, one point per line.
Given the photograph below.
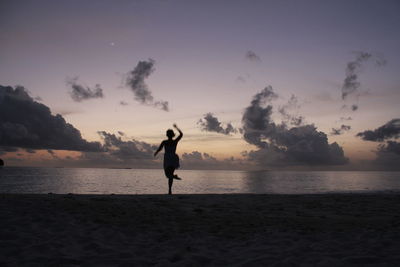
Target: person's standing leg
x=169 y=172
x=170 y=181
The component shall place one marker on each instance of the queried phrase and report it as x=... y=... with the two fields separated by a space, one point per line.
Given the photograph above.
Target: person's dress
x=171 y=159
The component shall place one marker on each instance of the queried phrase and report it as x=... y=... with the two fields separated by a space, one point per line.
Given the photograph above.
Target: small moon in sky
x=112 y=43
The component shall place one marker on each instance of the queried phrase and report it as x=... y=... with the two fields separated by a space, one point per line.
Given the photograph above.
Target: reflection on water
x=130 y=181
x=320 y=182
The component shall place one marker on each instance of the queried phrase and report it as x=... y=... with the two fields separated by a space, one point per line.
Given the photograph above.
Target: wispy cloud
x=210 y=123
x=136 y=82
x=353 y=68
x=342 y=129
x=252 y=56
x=80 y=92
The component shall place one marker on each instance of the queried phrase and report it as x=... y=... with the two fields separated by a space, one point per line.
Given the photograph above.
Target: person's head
x=170 y=133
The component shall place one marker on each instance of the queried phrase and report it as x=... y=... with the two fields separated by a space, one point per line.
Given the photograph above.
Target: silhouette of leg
x=170 y=181
x=176 y=177
x=169 y=172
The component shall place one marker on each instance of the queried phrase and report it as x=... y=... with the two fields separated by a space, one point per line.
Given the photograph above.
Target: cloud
x=28 y=124
x=5 y=149
x=354 y=107
x=341 y=130
x=351 y=83
x=279 y=145
x=388 y=155
x=287 y=114
x=256 y=119
x=252 y=56
x=52 y=153
x=163 y=105
x=198 y=160
x=195 y=155
x=390 y=147
x=241 y=79
x=135 y=81
x=123 y=103
x=346 y=118
x=118 y=151
x=80 y=92
x=389 y=130
x=324 y=97
x=124 y=150
x=210 y=123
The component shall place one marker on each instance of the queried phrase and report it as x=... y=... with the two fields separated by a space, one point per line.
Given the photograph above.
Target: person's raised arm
x=159 y=148
x=180 y=133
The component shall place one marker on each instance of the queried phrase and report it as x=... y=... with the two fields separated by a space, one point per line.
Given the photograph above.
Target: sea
x=27 y=180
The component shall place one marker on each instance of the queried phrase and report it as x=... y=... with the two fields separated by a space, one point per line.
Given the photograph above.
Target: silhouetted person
x=171 y=159
x=1 y=163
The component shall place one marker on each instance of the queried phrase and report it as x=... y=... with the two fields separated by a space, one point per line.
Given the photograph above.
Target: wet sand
x=200 y=230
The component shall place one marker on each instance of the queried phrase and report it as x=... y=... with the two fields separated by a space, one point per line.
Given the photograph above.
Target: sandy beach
x=199 y=230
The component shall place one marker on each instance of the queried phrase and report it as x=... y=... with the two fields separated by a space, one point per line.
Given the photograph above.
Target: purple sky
x=209 y=57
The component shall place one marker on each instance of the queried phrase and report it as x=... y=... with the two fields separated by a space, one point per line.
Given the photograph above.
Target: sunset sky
x=322 y=62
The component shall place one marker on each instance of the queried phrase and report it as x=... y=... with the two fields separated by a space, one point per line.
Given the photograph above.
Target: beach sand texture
x=200 y=230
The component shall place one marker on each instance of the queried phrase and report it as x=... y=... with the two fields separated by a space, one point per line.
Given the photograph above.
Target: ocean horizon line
x=206 y=169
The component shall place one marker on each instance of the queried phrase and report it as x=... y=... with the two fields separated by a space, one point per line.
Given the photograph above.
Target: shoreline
x=201 y=229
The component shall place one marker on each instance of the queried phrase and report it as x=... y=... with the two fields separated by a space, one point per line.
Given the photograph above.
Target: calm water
x=130 y=181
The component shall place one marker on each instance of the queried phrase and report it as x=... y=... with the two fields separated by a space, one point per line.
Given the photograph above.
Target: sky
x=252 y=84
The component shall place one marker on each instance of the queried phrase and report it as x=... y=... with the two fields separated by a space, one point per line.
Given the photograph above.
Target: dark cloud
x=210 y=123
x=9 y=149
x=257 y=119
x=80 y=92
x=124 y=150
x=387 y=131
x=351 y=83
x=354 y=107
x=287 y=112
x=123 y=103
x=118 y=151
x=388 y=155
x=195 y=155
x=278 y=144
x=163 y=105
x=252 y=56
x=198 y=160
x=338 y=131
x=135 y=81
x=28 y=124
x=390 y=147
